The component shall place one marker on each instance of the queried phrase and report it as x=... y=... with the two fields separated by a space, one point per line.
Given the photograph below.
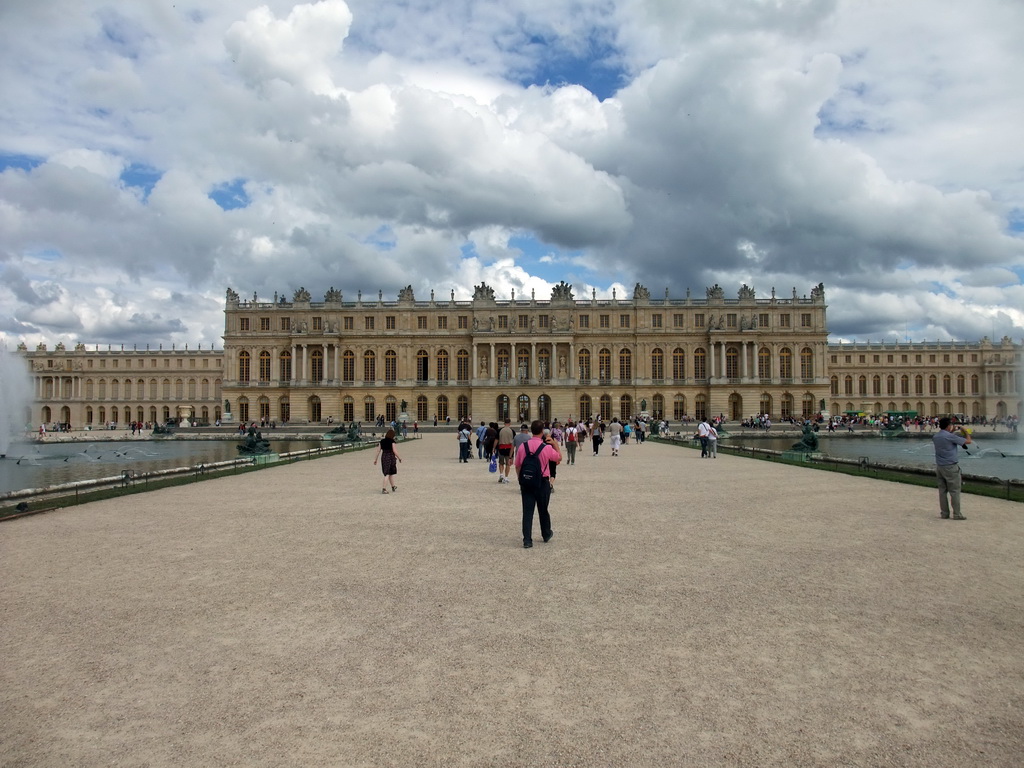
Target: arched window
x=243 y=410
x=732 y=363
x=316 y=363
x=265 y=366
x=786 y=409
x=786 y=363
x=165 y=387
x=625 y=408
x=658 y=406
x=348 y=409
x=462 y=405
x=961 y=385
x=348 y=366
x=370 y=369
x=765 y=405
x=606 y=407
x=625 y=366
x=890 y=387
x=544 y=408
x=604 y=366
x=442 y=408
x=152 y=391
x=700 y=406
x=523 y=364
x=369 y=409
x=523 y=409
x=679 y=407
x=243 y=365
x=263 y=404
x=585 y=366
x=191 y=389
x=179 y=389
x=848 y=385
x=390 y=406
x=127 y=390
x=905 y=386
x=678 y=365
x=947 y=384
x=544 y=365
x=700 y=364
x=422 y=410
x=764 y=364
x=862 y=385
x=657 y=365
x=806 y=364
x=504 y=408
x=115 y=390
x=876 y=385
x=919 y=385
x=462 y=366
x=833 y=385
x=285 y=366
x=586 y=407
x=807 y=408
x=284 y=410
x=933 y=385
x=503 y=365
x=391 y=367
x=442 y=366
x=422 y=366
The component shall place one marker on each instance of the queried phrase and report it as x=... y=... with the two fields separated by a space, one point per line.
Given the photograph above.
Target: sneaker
x=549 y=537
x=959 y=517
x=394 y=489
x=527 y=543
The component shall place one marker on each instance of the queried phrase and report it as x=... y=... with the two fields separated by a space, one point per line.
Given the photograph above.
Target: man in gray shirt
x=947 y=467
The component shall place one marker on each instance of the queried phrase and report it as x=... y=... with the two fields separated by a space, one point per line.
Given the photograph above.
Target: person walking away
x=712 y=442
x=389 y=460
x=490 y=440
x=505 y=437
x=947 y=467
x=480 y=432
x=703 y=430
x=532 y=468
x=596 y=436
x=464 y=447
x=549 y=434
x=615 y=435
x=571 y=434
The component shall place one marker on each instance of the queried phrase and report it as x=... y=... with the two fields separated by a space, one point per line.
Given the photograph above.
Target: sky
x=154 y=153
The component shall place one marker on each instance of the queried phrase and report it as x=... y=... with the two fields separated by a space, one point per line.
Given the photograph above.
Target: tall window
x=462 y=406
x=764 y=364
x=503 y=365
x=422 y=365
x=523 y=363
x=421 y=408
x=625 y=407
x=625 y=365
x=348 y=410
x=700 y=406
x=348 y=366
x=369 y=408
x=370 y=369
x=658 y=406
x=265 y=369
x=732 y=363
x=585 y=407
x=317 y=365
x=442 y=366
x=462 y=365
x=442 y=408
x=806 y=363
x=606 y=407
x=678 y=407
x=523 y=409
x=244 y=361
x=604 y=365
x=700 y=364
x=785 y=363
x=544 y=364
x=391 y=367
x=678 y=364
x=657 y=365
x=285 y=367
x=390 y=408
x=584 y=363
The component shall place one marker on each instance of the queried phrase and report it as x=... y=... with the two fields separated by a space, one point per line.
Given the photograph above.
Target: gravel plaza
x=688 y=612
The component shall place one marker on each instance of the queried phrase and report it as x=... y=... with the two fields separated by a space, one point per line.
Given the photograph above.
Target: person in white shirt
x=703 y=432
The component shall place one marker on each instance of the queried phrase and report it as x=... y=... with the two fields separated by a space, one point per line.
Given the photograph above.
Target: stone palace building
x=303 y=361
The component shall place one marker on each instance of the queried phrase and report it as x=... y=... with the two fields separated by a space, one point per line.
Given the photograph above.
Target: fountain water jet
x=15 y=397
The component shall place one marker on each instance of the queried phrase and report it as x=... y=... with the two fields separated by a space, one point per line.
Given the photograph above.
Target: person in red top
x=537 y=494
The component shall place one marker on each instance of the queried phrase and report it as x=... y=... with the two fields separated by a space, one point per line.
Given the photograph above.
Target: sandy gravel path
x=688 y=612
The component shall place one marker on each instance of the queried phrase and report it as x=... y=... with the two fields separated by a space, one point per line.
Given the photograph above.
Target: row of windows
x=919 y=358
x=504 y=322
x=585 y=364
x=139 y=363
x=522 y=408
x=947 y=383
x=129 y=390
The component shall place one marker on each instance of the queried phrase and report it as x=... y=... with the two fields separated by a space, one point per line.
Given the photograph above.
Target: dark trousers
x=464 y=451
x=540 y=501
x=703 y=447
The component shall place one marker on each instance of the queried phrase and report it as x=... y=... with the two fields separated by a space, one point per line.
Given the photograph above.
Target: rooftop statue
x=333 y=294
x=406 y=294
x=715 y=292
x=301 y=295
x=562 y=291
x=641 y=293
x=483 y=291
x=232 y=295
x=746 y=292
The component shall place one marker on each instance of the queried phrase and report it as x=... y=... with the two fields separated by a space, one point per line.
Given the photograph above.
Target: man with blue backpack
x=533 y=469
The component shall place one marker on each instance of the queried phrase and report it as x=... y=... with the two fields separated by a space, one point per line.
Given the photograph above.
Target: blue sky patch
x=21 y=162
x=142 y=177
x=230 y=195
x=597 y=68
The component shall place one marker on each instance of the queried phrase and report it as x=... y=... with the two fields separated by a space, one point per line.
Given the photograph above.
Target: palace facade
x=303 y=361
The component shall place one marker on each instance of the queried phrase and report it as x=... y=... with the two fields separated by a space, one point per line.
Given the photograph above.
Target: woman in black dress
x=389 y=460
